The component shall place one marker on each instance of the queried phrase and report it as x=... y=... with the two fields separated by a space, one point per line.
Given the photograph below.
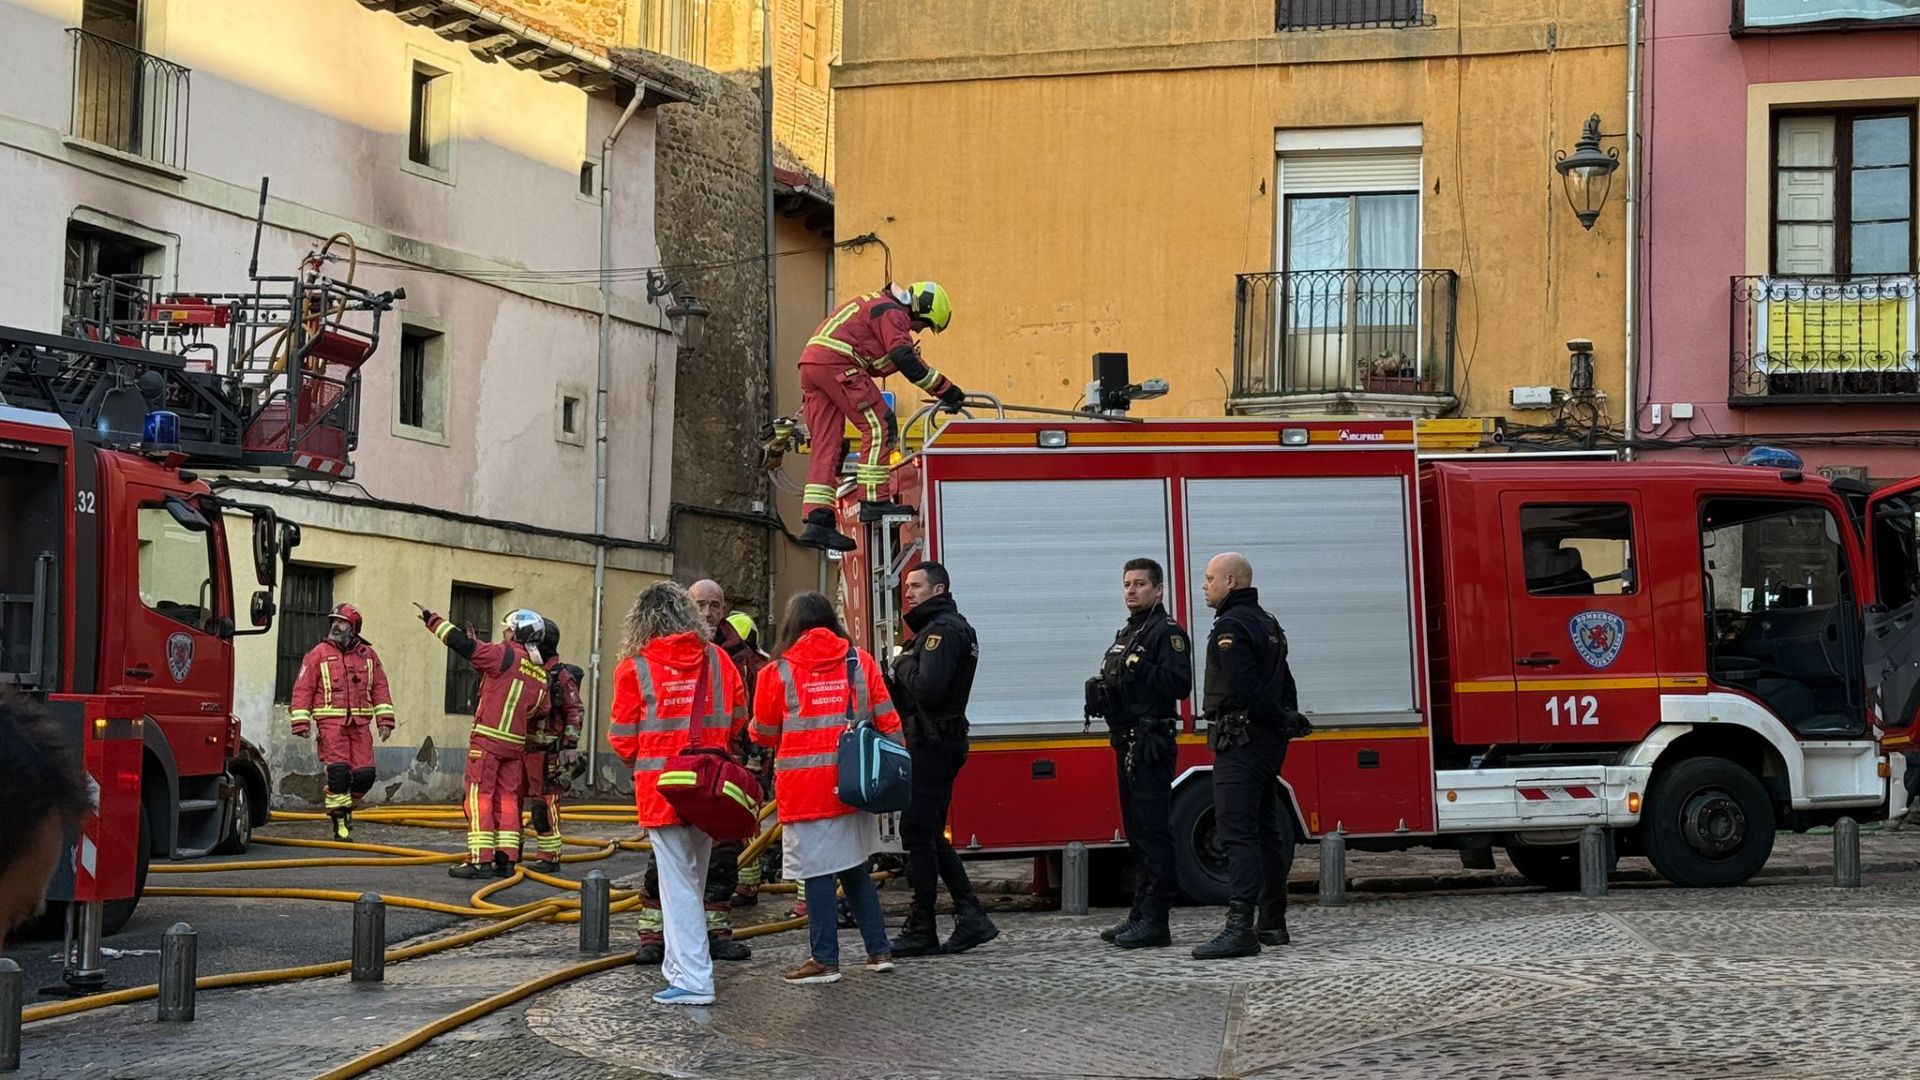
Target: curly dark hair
x=40 y=774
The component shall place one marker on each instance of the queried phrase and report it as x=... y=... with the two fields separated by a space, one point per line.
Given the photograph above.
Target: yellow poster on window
x=1854 y=333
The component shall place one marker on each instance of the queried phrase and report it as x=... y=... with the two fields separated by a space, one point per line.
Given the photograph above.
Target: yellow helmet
x=927 y=300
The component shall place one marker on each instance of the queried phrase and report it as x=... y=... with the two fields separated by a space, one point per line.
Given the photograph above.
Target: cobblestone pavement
x=1783 y=978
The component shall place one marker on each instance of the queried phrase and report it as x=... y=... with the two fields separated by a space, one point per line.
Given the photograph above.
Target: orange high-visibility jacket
x=654 y=714
x=800 y=709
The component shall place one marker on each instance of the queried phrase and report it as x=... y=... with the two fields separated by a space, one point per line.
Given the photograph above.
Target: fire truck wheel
x=1709 y=824
x=1553 y=867
x=1197 y=855
x=239 y=834
x=117 y=912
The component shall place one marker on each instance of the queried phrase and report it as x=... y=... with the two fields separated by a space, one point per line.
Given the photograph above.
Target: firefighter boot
x=971 y=926
x=919 y=937
x=342 y=824
x=1235 y=939
x=467 y=871
x=650 y=952
x=721 y=945
x=821 y=534
x=1151 y=932
x=883 y=508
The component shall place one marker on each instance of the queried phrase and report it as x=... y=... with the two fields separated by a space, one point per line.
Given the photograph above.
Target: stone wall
x=710 y=209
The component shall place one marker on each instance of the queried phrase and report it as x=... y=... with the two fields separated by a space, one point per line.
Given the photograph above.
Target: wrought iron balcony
x=1339 y=333
x=129 y=101
x=1350 y=14
x=1800 y=341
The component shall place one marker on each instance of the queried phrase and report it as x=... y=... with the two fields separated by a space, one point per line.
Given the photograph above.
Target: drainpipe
x=603 y=375
x=1633 y=221
x=773 y=314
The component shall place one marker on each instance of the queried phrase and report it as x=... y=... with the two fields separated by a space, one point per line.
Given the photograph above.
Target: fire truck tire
x=1553 y=867
x=240 y=833
x=117 y=912
x=1709 y=824
x=1197 y=855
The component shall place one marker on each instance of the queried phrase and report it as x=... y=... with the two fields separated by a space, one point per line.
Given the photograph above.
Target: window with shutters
x=1843 y=193
x=816 y=37
x=306 y=599
x=1350 y=309
x=471 y=609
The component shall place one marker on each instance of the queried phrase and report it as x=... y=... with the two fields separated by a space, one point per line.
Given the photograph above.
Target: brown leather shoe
x=883 y=962
x=813 y=971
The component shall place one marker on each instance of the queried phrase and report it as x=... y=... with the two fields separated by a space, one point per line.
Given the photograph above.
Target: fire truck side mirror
x=266 y=545
x=262 y=609
x=185 y=515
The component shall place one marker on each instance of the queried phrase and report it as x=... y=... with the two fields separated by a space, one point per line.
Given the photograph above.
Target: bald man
x=1251 y=706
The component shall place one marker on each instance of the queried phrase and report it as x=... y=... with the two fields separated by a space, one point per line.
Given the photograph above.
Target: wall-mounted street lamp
x=689 y=315
x=1587 y=173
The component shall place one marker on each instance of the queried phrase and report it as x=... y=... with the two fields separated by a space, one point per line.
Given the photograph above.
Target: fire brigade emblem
x=179 y=656
x=1598 y=636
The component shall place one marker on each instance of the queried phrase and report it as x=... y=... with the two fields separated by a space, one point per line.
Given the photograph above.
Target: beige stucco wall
x=1092 y=177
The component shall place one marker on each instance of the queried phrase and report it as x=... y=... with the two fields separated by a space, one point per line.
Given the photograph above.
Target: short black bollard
x=179 y=956
x=596 y=907
x=1333 y=868
x=369 y=938
x=1073 y=880
x=1593 y=861
x=13 y=998
x=1846 y=853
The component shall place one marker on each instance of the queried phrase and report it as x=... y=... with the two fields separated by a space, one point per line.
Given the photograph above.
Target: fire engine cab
x=1494 y=650
x=117 y=607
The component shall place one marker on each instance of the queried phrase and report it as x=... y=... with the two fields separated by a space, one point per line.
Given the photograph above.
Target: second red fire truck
x=1494 y=651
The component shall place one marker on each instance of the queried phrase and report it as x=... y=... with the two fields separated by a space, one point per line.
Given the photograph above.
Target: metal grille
x=1344 y=331
x=1350 y=14
x=472 y=611
x=306 y=599
x=128 y=100
x=1798 y=341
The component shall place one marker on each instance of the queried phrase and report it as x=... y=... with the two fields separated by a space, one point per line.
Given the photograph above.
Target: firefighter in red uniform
x=552 y=749
x=344 y=688
x=867 y=338
x=513 y=692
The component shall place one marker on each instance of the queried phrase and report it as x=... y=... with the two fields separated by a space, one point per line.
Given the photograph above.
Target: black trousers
x=1253 y=824
x=930 y=856
x=1146 y=808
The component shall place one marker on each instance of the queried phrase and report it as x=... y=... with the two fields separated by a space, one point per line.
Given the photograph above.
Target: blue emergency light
x=162 y=430
x=1773 y=457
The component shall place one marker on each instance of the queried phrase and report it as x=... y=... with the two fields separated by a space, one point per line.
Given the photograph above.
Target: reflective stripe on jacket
x=348 y=685
x=800 y=709
x=653 y=711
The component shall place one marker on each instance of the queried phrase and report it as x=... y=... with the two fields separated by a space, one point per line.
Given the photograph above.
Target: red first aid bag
x=706 y=787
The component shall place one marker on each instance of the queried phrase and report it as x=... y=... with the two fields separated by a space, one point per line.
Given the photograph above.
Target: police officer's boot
x=1151 y=931
x=820 y=532
x=1237 y=938
x=1272 y=927
x=1113 y=932
x=919 y=937
x=971 y=926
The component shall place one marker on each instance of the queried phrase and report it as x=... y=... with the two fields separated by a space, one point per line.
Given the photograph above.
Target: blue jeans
x=823 y=914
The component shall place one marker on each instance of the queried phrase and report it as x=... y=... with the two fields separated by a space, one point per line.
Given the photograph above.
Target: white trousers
x=680 y=854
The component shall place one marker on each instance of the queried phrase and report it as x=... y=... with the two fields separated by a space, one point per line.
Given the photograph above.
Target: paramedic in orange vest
x=513 y=692
x=552 y=750
x=867 y=338
x=800 y=709
x=672 y=691
x=344 y=688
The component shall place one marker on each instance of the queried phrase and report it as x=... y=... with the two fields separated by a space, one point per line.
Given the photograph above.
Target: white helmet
x=524 y=625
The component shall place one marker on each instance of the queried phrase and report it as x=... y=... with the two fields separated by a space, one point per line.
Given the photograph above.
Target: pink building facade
x=1778 y=231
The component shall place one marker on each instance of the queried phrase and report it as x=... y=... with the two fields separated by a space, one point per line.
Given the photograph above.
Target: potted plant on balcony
x=1391 y=371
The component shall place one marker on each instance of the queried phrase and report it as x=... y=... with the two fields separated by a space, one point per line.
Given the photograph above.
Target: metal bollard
x=13 y=998
x=1846 y=853
x=1333 y=868
x=179 y=955
x=1593 y=861
x=369 y=939
x=1073 y=880
x=596 y=905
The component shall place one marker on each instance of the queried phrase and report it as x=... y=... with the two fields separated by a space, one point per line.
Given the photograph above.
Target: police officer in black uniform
x=1252 y=710
x=1144 y=676
x=930 y=684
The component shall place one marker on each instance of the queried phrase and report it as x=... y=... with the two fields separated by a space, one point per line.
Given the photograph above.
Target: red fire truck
x=117 y=606
x=1494 y=650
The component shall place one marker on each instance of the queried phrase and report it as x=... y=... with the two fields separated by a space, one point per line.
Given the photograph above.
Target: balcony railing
x=1349 y=14
x=1329 y=332
x=1797 y=341
x=128 y=100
